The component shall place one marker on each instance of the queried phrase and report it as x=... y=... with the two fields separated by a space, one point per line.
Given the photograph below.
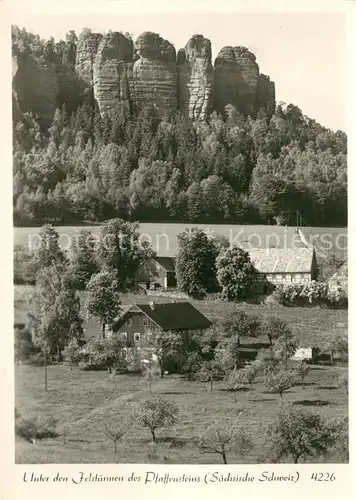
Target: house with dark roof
x=158 y=272
x=138 y=321
x=283 y=266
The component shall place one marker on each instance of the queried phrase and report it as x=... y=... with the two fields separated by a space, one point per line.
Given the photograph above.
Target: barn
x=283 y=266
x=158 y=272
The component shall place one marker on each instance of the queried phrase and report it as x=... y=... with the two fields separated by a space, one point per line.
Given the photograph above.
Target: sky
x=303 y=53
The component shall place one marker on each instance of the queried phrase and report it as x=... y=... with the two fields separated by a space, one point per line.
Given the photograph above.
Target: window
x=145 y=321
x=137 y=337
x=128 y=322
x=124 y=336
x=124 y=353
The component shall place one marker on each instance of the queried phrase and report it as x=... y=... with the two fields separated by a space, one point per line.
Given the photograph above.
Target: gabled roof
x=168 y=263
x=282 y=260
x=171 y=316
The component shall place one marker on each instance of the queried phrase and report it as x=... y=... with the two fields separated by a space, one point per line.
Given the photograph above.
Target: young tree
x=280 y=381
x=156 y=413
x=115 y=433
x=165 y=345
x=210 y=371
x=72 y=353
x=274 y=328
x=120 y=251
x=149 y=376
x=235 y=380
x=285 y=347
x=103 y=298
x=237 y=325
x=299 y=434
x=302 y=371
x=250 y=373
x=195 y=263
x=336 y=342
x=221 y=437
x=235 y=274
x=83 y=260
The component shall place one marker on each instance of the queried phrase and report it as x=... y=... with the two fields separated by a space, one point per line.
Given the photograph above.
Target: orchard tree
x=281 y=380
x=274 y=328
x=336 y=342
x=221 y=437
x=210 y=371
x=106 y=352
x=120 y=250
x=238 y=325
x=195 y=263
x=83 y=263
x=103 y=298
x=299 y=434
x=115 y=432
x=235 y=273
x=156 y=413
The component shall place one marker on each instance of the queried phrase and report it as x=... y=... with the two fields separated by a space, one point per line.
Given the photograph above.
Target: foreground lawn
x=85 y=402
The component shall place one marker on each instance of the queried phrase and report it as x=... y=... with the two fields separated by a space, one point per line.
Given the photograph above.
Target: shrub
x=36 y=428
x=72 y=352
x=311 y=294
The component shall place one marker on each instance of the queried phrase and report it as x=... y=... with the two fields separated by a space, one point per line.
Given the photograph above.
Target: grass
x=83 y=402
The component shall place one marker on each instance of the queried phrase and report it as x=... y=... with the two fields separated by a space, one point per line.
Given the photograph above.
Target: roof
x=168 y=263
x=279 y=260
x=172 y=315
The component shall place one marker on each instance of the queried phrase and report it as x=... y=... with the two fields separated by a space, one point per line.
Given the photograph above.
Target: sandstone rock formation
x=36 y=86
x=84 y=66
x=266 y=94
x=195 y=78
x=112 y=70
x=154 y=74
x=236 y=76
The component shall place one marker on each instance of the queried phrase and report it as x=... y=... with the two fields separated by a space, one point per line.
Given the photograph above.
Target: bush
x=36 y=428
x=72 y=353
x=312 y=293
x=24 y=347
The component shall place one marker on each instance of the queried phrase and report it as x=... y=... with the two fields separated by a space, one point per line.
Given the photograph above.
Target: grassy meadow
x=84 y=403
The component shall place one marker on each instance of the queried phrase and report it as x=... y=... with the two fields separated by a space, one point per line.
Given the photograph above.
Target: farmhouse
x=158 y=272
x=277 y=266
x=139 y=320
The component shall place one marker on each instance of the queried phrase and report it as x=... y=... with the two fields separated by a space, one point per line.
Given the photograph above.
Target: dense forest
x=88 y=167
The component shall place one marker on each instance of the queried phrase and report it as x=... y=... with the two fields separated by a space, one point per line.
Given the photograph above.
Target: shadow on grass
x=306 y=384
x=174 y=442
x=328 y=387
x=181 y=393
x=241 y=389
x=312 y=402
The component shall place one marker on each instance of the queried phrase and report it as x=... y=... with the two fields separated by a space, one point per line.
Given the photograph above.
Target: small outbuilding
x=158 y=272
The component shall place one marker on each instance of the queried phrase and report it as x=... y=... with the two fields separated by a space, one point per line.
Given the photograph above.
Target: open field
x=328 y=241
x=84 y=402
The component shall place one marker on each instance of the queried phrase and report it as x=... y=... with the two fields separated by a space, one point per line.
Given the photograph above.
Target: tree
x=299 y=434
x=115 y=433
x=150 y=376
x=221 y=437
x=195 y=263
x=120 y=251
x=238 y=325
x=273 y=328
x=165 y=345
x=156 y=413
x=72 y=353
x=285 y=347
x=56 y=310
x=235 y=380
x=250 y=373
x=336 y=342
x=103 y=298
x=106 y=352
x=302 y=371
x=210 y=371
x=280 y=381
x=48 y=253
x=235 y=274
x=83 y=263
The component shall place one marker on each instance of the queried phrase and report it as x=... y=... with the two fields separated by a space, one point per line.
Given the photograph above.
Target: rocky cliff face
x=195 y=78
x=266 y=97
x=87 y=48
x=112 y=71
x=154 y=74
x=36 y=86
x=236 y=75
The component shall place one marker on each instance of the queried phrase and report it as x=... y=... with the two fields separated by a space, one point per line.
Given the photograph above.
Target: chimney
x=152 y=305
